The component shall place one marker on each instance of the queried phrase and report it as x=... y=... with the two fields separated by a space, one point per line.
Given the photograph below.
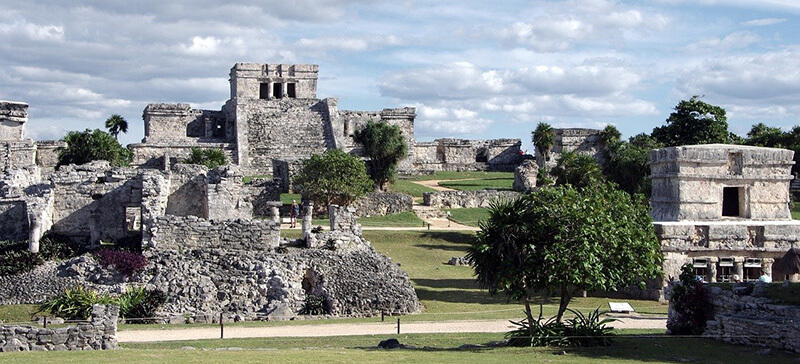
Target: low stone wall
x=465 y=199
x=100 y=333
x=178 y=232
x=382 y=204
x=754 y=321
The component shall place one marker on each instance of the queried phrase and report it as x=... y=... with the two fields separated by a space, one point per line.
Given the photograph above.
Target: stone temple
x=722 y=208
x=274 y=119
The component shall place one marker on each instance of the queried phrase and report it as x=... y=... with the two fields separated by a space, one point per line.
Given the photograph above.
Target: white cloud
x=33 y=31
x=348 y=43
x=202 y=45
x=731 y=41
x=433 y=120
x=764 y=22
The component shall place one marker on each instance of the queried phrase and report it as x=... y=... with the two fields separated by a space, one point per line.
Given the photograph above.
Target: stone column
x=766 y=265
x=738 y=267
x=34 y=233
x=284 y=89
x=275 y=211
x=308 y=211
x=712 y=269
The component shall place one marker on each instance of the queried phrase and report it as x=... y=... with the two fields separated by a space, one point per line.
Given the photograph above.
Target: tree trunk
x=563 y=302
x=530 y=317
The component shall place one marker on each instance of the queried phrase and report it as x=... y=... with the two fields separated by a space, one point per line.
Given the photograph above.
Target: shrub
x=92 y=145
x=208 y=157
x=75 y=303
x=138 y=304
x=54 y=246
x=335 y=177
x=18 y=261
x=581 y=330
x=126 y=263
x=689 y=304
x=314 y=305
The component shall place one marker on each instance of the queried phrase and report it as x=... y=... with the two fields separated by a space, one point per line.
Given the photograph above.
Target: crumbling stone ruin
x=722 y=208
x=99 y=333
x=274 y=120
x=525 y=176
x=15 y=150
x=466 y=199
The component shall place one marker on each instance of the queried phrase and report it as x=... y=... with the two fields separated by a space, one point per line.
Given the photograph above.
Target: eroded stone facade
x=722 y=208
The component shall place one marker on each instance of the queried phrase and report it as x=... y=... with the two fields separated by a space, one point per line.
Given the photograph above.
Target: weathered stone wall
x=465 y=199
x=688 y=181
x=188 y=232
x=165 y=156
x=227 y=198
x=47 y=155
x=753 y=321
x=100 y=333
x=584 y=141
x=284 y=172
x=263 y=194
x=468 y=155
x=187 y=191
x=382 y=204
x=525 y=176
x=13 y=220
x=343 y=219
x=13 y=116
x=17 y=154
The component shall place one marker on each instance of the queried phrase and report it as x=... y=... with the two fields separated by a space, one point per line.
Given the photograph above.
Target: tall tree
x=332 y=178
x=91 y=145
x=693 y=122
x=544 y=138
x=385 y=146
x=560 y=239
x=116 y=124
x=577 y=169
x=626 y=164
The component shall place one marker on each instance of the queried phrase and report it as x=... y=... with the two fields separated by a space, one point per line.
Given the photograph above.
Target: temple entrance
x=730 y=201
x=277 y=90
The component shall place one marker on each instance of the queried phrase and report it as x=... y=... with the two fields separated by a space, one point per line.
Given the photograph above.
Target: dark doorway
x=277 y=90
x=263 y=92
x=730 y=201
x=290 y=91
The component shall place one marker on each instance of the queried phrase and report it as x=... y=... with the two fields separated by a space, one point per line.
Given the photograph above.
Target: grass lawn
x=409 y=188
x=402 y=219
x=469 y=216
x=17 y=313
x=427 y=348
x=449 y=175
x=490 y=183
x=796 y=211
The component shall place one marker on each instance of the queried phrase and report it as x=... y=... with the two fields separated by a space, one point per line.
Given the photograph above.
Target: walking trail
x=379 y=328
x=435 y=217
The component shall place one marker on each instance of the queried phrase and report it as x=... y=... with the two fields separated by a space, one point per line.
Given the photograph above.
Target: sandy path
x=379 y=328
x=434 y=184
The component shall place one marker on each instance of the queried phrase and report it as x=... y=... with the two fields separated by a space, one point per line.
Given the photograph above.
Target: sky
x=473 y=69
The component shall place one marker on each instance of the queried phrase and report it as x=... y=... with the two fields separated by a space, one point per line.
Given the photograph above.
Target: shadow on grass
x=447 y=283
x=454 y=237
x=446 y=247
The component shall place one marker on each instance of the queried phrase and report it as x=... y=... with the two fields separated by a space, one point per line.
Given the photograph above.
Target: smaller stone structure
x=467 y=155
x=525 y=176
x=191 y=232
x=754 y=321
x=382 y=204
x=100 y=333
x=465 y=199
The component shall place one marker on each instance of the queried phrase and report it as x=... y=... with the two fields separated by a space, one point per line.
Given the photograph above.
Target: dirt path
x=434 y=184
x=379 y=328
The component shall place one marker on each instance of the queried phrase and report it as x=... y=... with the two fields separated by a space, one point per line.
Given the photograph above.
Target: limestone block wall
x=47 y=155
x=465 y=199
x=13 y=116
x=382 y=204
x=188 y=232
x=17 y=154
x=13 y=219
x=246 y=79
x=284 y=171
x=689 y=182
x=581 y=140
x=187 y=191
x=347 y=122
x=264 y=193
x=165 y=156
x=468 y=155
x=752 y=321
x=100 y=333
x=525 y=176
x=227 y=198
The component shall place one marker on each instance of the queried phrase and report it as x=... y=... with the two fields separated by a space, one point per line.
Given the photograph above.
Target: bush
x=315 y=305
x=126 y=263
x=332 y=178
x=54 y=246
x=75 y=303
x=92 y=145
x=138 y=304
x=582 y=330
x=15 y=257
x=18 y=261
x=689 y=304
x=208 y=157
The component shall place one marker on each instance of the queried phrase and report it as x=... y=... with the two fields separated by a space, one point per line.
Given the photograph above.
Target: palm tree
x=116 y=124
x=543 y=139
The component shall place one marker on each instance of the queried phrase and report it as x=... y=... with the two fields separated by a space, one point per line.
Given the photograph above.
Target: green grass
x=402 y=219
x=449 y=175
x=796 y=211
x=287 y=198
x=427 y=348
x=409 y=188
x=17 y=313
x=469 y=216
x=493 y=183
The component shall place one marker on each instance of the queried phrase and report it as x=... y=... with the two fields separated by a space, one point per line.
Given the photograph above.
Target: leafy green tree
x=332 y=178
x=92 y=145
x=116 y=124
x=544 y=138
x=761 y=135
x=577 y=169
x=208 y=157
x=693 y=122
x=560 y=239
x=385 y=146
x=626 y=166
x=610 y=135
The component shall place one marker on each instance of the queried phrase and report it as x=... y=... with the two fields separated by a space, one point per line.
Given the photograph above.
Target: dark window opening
x=725 y=270
x=219 y=129
x=700 y=269
x=481 y=156
x=263 y=92
x=730 y=201
x=752 y=269
x=290 y=91
x=277 y=90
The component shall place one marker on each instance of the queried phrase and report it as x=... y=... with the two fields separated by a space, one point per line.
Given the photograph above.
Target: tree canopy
x=116 y=124
x=208 y=157
x=560 y=239
x=577 y=169
x=332 y=178
x=385 y=146
x=693 y=122
x=544 y=137
x=91 y=145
